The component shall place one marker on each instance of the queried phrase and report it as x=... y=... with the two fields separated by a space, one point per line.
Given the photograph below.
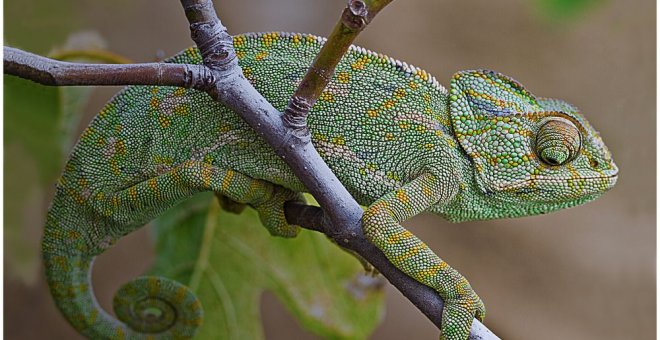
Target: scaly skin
x=398 y=141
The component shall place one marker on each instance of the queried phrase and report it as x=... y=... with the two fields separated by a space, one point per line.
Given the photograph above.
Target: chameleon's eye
x=558 y=141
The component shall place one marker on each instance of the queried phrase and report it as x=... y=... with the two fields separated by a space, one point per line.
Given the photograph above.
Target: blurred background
x=581 y=273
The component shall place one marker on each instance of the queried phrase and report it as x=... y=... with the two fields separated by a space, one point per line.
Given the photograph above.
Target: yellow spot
x=179 y=296
x=343 y=77
x=154 y=90
x=114 y=166
x=422 y=74
x=420 y=128
x=402 y=196
x=163 y=121
x=247 y=71
x=132 y=192
x=296 y=39
x=427 y=191
x=153 y=184
x=182 y=110
x=224 y=127
x=320 y=137
x=392 y=175
x=207 y=171
x=399 y=93
x=180 y=92
x=327 y=96
x=413 y=85
x=261 y=55
x=120 y=146
x=119 y=333
x=74 y=235
x=404 y=125
x=427 y=98
x=371 y=167
x=226 y=181
x=269 y=38
x=398 y=237
x=360 y=63
x=388 y=104
x=192 y=52
x=431 y=271
x=389 y=136
x=239 y=41
x=116 y=201
x=240 y=54
x=154 y=103
x=429 y=146
x=339 y=140
x=153 y=286
x=87 y=133
x=372 y=113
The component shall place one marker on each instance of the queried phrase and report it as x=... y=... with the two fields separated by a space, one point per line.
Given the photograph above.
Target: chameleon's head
x=526 y=149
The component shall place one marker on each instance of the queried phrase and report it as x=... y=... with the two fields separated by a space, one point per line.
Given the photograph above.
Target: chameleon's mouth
x=594 y=184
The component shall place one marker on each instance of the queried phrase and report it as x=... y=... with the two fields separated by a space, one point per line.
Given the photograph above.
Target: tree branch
x=59 y=73
x=222 y=78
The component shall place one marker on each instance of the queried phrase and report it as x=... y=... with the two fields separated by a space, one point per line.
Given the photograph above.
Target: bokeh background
x=582 y=273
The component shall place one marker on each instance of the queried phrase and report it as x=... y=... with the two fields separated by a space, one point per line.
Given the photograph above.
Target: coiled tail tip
x=152 y=304
x=147 y=307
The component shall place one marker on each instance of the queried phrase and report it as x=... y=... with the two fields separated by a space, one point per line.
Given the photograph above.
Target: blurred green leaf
x=41 y=126
x=32 y=161
x=567 y=9
x=230 y=260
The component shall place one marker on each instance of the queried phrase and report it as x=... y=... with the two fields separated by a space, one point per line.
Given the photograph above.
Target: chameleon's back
x=370 y=121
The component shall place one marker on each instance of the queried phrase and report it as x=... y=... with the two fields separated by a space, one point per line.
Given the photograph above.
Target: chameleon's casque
x=398 y=141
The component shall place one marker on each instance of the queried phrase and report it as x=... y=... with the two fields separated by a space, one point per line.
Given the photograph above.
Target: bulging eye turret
x=557 y=142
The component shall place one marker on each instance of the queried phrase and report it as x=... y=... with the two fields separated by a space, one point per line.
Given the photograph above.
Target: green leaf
x=32 y=161
x=230 y=260
x=41 y=127
x=567 y=9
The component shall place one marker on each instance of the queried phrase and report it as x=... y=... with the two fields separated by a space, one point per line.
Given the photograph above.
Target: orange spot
x=402 y=196
x=179 y=92
x=227 y=180
x=261 y=55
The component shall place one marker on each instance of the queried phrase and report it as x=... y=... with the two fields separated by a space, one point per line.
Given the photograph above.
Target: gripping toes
x=271 y=212
x=459 y=312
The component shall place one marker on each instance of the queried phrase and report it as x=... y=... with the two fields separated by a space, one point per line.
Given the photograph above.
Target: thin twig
x=59 y=73
x=354 y=18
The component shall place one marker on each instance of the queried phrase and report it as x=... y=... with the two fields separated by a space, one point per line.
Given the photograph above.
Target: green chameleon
x=400 y=143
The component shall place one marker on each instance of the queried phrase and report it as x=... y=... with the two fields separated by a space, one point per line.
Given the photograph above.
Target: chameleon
x=401 y=143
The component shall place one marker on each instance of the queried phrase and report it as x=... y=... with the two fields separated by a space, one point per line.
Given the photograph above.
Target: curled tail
x=146 y=307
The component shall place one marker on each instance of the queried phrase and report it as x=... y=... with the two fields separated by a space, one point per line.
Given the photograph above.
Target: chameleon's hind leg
x=229 y=205
x=156 y=194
